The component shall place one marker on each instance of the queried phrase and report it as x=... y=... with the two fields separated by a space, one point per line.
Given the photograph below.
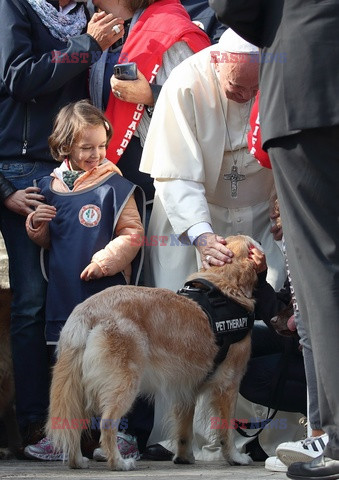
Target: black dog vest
x=230 y=322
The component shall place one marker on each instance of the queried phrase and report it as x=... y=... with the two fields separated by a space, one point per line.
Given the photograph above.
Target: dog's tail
x=67 y=412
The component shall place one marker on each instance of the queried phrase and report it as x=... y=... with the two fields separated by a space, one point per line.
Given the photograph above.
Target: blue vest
x=84 y=224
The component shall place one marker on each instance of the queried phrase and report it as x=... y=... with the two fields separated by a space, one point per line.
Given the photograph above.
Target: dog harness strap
x=226 y=317
x=229 y=321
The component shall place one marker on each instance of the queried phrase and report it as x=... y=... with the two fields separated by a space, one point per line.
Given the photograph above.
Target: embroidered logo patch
x=89 y=215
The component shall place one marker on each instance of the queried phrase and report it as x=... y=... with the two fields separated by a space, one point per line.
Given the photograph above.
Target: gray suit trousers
x=306 y=171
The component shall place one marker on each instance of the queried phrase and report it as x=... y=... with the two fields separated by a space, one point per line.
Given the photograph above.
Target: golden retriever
x=126 y=340
x=7 y=411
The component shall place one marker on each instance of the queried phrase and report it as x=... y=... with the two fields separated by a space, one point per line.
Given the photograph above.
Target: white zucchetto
x=232 y=42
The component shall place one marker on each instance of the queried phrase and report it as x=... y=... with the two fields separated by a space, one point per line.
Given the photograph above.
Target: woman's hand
x=23 y=202
x=259 y=259
x=133 y=91
x=91 y=272
x=103 y=28
x=213 y=250
x=43 y=213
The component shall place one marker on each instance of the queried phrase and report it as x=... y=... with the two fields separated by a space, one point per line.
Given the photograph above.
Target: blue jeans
x=30 y=359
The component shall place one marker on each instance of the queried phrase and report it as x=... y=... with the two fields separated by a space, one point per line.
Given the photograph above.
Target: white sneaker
x=301 y=451
x=275 y=465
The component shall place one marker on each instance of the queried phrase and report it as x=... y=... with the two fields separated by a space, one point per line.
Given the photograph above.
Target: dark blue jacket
x=33 y=85
x=201 y=12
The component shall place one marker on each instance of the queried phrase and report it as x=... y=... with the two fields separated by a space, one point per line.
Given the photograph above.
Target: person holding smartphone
x=157 y=37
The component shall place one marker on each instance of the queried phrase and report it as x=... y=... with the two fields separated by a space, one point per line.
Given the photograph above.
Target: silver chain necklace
x=234 y=176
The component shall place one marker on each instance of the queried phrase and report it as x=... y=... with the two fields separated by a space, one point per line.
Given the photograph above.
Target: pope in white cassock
x=207 y=187
x=207 y=184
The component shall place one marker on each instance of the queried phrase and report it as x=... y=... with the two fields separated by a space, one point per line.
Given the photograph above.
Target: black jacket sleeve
x=6 y=188
x=268 y=302
x=32 y=62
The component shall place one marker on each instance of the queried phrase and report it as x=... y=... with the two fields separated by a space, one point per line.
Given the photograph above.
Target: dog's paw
x=85 y=462
x=123 y=464
x=240 y=459
x=189 y=460
x=79 y=463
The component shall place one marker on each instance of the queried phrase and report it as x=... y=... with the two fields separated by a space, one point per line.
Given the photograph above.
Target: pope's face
x=239 y=79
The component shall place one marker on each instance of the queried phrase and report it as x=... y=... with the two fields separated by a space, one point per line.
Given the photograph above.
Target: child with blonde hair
x=90 y=215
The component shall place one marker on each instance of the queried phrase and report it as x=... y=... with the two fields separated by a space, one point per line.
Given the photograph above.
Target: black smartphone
x=126 y=71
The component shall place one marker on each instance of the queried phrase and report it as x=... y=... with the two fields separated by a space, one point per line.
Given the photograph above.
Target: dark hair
x=135 y=5
x=70 y=122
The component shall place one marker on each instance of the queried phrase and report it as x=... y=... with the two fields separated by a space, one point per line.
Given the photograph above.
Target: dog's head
x=238 y=278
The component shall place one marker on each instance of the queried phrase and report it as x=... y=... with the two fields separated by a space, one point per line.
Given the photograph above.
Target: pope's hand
x=213 y=250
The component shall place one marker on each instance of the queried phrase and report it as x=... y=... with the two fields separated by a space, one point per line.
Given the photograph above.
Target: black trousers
x=275 y=374
x=306 y=171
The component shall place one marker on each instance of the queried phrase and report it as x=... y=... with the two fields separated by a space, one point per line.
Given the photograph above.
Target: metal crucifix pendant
x=234 y=177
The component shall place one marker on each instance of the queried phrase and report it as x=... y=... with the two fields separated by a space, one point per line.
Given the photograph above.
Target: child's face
x=90 y=148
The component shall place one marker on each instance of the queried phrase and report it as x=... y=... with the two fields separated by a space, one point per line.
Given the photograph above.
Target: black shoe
x=30 y=435
x=33 y=433
x=321 y=467
x=157 y=453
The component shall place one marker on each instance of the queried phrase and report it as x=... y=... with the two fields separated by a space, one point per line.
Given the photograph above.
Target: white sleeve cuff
x=197 y=230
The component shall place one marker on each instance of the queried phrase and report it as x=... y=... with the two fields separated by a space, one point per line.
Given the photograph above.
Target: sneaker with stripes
x=303 y=450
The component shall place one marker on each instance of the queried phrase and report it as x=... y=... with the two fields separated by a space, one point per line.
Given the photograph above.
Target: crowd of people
x=105 y=181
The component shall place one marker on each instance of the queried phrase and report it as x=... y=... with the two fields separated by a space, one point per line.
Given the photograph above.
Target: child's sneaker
x=43 y=450
x=127 y=445
x=303 y=450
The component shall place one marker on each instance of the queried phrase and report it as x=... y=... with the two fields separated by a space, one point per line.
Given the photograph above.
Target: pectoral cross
x=234 y=177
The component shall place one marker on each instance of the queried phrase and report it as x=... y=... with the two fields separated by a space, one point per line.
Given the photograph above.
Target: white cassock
x=188 y=152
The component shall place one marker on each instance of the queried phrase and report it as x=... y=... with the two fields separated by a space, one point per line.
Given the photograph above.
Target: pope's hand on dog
x=213 y=250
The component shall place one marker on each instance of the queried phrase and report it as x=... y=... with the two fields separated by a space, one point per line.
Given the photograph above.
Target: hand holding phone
x=126 y=71
x=136 y=91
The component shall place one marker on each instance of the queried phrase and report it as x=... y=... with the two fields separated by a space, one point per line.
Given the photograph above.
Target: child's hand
x=91 y=272
x=43 y=213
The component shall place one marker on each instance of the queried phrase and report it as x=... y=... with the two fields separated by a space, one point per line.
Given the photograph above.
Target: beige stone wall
x=3 y=264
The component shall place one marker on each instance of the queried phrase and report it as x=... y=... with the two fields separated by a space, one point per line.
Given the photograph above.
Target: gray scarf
x=60 y=25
